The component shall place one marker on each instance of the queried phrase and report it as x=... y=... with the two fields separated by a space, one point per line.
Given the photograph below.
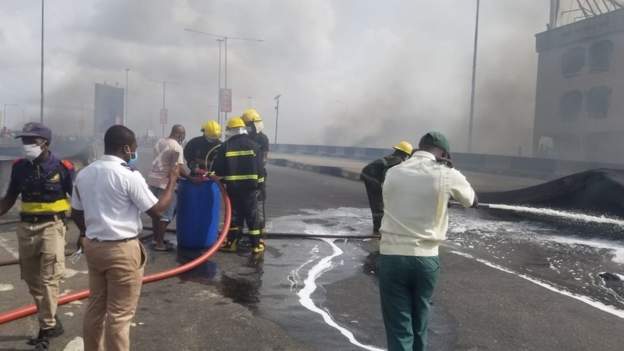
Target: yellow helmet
x=211 y=129
x=404 y=146
x=235 y=122
x=251 y=115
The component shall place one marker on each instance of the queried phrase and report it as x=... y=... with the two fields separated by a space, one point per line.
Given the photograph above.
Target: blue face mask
x=134 y=160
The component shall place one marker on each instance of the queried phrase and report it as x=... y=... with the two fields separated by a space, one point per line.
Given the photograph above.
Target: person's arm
x=11 y=195
x=167 y=196
x=461 y=191
x=77 y=215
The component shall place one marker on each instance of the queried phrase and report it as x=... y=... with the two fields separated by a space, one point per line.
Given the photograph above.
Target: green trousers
x=406 y=285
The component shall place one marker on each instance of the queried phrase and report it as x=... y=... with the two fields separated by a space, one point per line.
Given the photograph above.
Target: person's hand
x=80 y=243
x=174 y=173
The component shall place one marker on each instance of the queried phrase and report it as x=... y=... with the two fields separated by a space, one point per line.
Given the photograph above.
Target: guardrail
x=541 y=168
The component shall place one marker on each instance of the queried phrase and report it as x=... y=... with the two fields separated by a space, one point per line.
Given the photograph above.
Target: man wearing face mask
x=200 y=151
x=107 y=202
x=44 y=183
x=167 y=154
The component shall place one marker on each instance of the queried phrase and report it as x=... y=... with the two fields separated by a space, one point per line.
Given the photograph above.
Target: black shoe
x=42 y=345
x=53 y=332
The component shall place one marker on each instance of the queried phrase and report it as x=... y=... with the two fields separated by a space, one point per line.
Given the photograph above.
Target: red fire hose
x=28 y=310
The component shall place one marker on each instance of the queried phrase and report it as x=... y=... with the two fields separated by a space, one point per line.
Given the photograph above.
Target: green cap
x=436 y=139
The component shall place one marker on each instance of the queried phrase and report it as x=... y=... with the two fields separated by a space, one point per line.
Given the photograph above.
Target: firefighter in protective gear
x=374 y=174
x=255 y=126
x=44 y=183
x=201 y=151
x=239 y=164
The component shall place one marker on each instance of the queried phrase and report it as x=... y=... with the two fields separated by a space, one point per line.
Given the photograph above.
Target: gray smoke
x=350 y=72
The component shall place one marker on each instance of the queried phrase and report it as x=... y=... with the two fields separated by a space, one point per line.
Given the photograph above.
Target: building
x=579 y=106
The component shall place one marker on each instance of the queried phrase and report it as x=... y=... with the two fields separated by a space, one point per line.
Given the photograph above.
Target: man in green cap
x=416 y=195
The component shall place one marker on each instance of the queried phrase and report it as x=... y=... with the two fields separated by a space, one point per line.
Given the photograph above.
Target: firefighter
x=44 y=183
x=200 y=151
x=254 y=125
x=374 y=174
x=239 y=164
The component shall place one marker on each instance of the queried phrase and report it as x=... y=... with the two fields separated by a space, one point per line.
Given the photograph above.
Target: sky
x=350 y=72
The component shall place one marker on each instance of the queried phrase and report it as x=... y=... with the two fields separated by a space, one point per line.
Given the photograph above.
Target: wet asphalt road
x=475 y=307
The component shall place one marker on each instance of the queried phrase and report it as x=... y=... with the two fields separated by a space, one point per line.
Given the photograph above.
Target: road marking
x=596 y=304
x=4 y=243
x=305 y=295
x=76 y=344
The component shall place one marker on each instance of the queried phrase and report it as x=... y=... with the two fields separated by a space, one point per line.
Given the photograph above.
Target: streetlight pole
x=276 y=116
x=219 y=87
x=4 y=114
x=42 y=38
x=225 y=39
x=474 y=79
x=125 y=118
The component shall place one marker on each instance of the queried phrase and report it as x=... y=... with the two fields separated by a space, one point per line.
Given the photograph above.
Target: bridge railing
x=542 y=168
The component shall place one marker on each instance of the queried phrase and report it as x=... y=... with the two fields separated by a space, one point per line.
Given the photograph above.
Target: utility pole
x=219 y=87
x=276 y=116
x=42 y=38
x=164 y=107
x=125 y=117
x=474 y=79
x=4 y=113
x=224 y=39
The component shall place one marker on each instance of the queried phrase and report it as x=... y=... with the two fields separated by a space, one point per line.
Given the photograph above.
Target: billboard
x=225 y=100
x=109 y=107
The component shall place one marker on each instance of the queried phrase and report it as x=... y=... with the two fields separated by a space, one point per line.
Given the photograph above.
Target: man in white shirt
x=416 y=195
x=107 y=202
x=168 y=153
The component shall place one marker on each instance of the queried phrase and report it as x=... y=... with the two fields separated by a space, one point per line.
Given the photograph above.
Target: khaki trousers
x=41 y=249
x=115 y=274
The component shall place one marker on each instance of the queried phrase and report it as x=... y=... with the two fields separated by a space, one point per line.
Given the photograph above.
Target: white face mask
x=32 y=151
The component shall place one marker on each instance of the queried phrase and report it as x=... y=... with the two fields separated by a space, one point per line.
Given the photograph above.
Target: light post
x=125 y=118
x=4 y=114
x=224 y=39
x=474 y=79
x=42 y=38
x=276 y=98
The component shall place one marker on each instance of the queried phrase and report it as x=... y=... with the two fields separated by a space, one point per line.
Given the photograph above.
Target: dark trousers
x=375 y=201
x=406 y=285
x=244 y=211
x=261 y=208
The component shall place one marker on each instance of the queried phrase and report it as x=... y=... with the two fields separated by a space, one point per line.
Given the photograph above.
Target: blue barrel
x=197 y=222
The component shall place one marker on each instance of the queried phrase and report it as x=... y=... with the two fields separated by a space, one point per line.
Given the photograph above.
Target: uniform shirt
x=112 y=197
x=263 y=144
x=198 y=148
x=376 y=171
x=416 y=195
x=44 y=186
x=239 y=163
x=167 y=153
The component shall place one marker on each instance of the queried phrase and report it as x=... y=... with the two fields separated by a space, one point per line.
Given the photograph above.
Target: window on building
x=573 y=61
x=597 y=102
x=571 y=105
x=600 y=55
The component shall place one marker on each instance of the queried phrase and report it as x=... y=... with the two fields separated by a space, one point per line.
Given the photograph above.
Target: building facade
x=579 y=106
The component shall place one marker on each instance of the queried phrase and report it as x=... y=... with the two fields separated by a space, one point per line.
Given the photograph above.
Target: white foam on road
x=596 y=304
x=616 y=248
x=76 y=344
x=305 y=295
x=576 y=217
x=6 y=287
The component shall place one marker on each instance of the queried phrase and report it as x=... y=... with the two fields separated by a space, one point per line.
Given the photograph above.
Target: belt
x=41 y=218
x=114 y=241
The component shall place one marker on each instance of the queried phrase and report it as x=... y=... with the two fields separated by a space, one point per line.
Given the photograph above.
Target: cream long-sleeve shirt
x=416 y=195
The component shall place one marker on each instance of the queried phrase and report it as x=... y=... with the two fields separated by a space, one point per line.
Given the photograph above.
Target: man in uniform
x=255 y=126
x=239 y=164
x=109 y=197
x=374 y=174
x=416 y=195
x=200 y=151
x=44 y=182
